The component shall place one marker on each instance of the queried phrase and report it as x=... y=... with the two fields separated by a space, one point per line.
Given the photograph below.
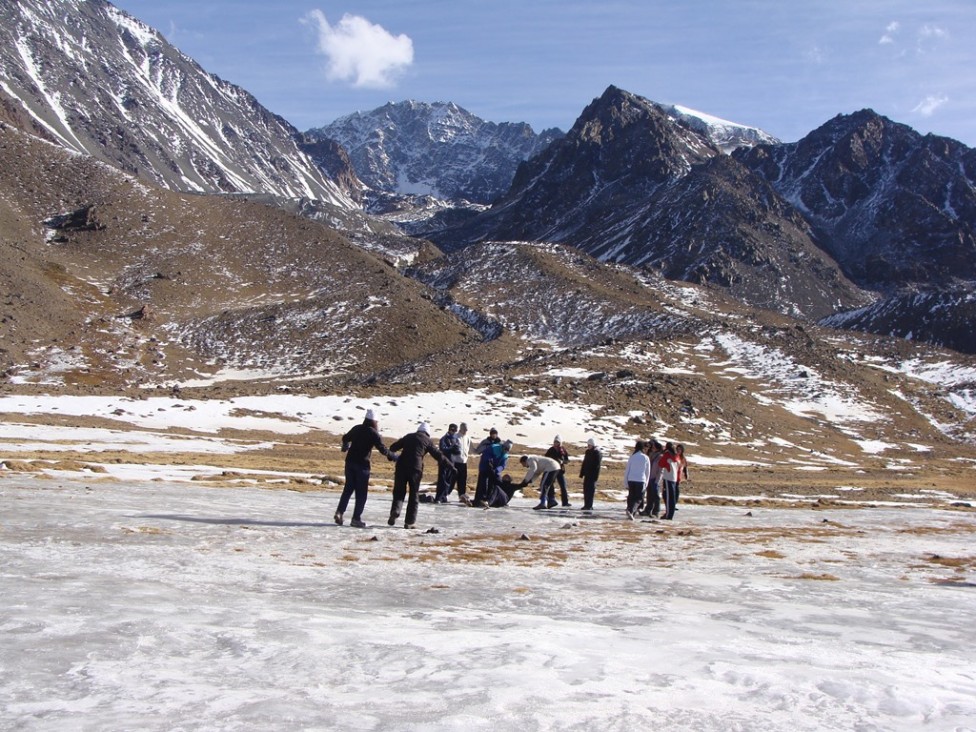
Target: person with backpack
x=590 y=473
x=358 y=444
x=409 y=471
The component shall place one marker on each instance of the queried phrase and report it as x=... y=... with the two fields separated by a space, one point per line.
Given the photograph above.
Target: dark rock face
x=943 y=317
x=632 y=184
x=436 y=149
x=893 y=208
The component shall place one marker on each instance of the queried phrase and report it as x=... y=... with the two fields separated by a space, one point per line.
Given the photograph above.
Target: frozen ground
x=169 y=606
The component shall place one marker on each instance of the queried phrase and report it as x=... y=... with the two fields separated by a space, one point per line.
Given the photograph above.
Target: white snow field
x=162 y=605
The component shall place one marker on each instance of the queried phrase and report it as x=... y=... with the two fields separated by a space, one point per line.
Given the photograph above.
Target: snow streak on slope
x=797 y=387
x=107 y=85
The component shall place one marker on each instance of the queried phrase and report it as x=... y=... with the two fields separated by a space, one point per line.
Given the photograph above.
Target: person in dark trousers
x=670 y=467
x=358 y=444
x=546 y=468
x=636 y=475
x=486 y=465
x=558 y=453
x=590 y=473
x=461 y=463
x=501 y=493
x=450 y=446
x=410 y=470
x=652 y=502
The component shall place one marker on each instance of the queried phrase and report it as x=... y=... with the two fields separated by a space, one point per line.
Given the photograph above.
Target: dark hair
x=669 y=447
x=639 y=446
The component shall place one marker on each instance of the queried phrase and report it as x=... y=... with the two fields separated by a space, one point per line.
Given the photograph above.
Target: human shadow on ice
x=235 y=521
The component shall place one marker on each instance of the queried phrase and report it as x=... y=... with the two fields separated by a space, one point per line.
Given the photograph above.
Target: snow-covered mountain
x=99 y=82
x=437 y=149
x=727 y=136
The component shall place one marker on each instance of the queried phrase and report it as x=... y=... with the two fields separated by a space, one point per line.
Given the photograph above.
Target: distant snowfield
x=531 y=424
x=162 y=606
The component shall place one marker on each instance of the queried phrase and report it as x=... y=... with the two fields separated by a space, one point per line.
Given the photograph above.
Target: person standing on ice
x=652 y=504
x=670 y=469
x=558 y=453
x=410 y=470
x=451 y=447
x=358 y=444
x=636 y=477
x=548 y=468
x=461 y=463
x=486 y=467
x=590 y=472
x=679 y=450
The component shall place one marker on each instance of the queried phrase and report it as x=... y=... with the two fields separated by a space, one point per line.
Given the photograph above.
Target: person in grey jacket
x=549 y=469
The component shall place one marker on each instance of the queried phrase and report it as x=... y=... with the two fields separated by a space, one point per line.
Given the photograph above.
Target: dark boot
x=395 y=512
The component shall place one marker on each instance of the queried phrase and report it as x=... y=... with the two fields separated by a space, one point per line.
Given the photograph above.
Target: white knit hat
x=591 y=442
x=424 y=428
x=370 y=415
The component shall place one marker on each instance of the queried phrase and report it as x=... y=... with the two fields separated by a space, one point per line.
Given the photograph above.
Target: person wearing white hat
x=358 y=444
x=410 y=470
x=558 y=453
x=590 y=472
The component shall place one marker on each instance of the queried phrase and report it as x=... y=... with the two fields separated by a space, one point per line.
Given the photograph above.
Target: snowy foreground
x=167 y=606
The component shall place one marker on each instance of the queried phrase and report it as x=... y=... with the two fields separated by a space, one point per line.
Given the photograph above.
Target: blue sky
x=784 y=66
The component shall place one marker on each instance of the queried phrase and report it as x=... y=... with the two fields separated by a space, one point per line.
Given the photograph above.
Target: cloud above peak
x=930 y=104
x=360 y=52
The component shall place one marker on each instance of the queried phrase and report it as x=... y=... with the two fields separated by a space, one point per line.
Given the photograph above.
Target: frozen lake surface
x=168 y=606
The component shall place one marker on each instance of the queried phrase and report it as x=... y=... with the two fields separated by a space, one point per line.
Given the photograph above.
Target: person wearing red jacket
x=670 y=468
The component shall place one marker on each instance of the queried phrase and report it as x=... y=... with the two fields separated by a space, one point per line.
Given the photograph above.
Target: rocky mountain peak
x=893 y=207
x=101 y=83
x=434 y=149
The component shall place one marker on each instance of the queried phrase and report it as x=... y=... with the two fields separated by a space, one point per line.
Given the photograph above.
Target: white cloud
x=930 y=104
x=933 y=31
x=890 y=30
x=359 y=51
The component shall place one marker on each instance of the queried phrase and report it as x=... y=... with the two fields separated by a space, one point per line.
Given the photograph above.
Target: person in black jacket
x=358 y=444
x=590 y=472
x=558 y=453
x=409 y=471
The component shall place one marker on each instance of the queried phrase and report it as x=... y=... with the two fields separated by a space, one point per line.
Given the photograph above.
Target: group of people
x=653 y=477
x=494 y=487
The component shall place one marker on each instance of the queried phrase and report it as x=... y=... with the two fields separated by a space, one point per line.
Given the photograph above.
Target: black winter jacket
x=412 y=449
x=361 y=440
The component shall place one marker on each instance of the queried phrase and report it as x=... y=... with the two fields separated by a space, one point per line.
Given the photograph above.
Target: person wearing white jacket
x=636 y=477
x=535 y=464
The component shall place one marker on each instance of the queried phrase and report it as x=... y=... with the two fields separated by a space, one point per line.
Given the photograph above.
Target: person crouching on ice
x=535 y=464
